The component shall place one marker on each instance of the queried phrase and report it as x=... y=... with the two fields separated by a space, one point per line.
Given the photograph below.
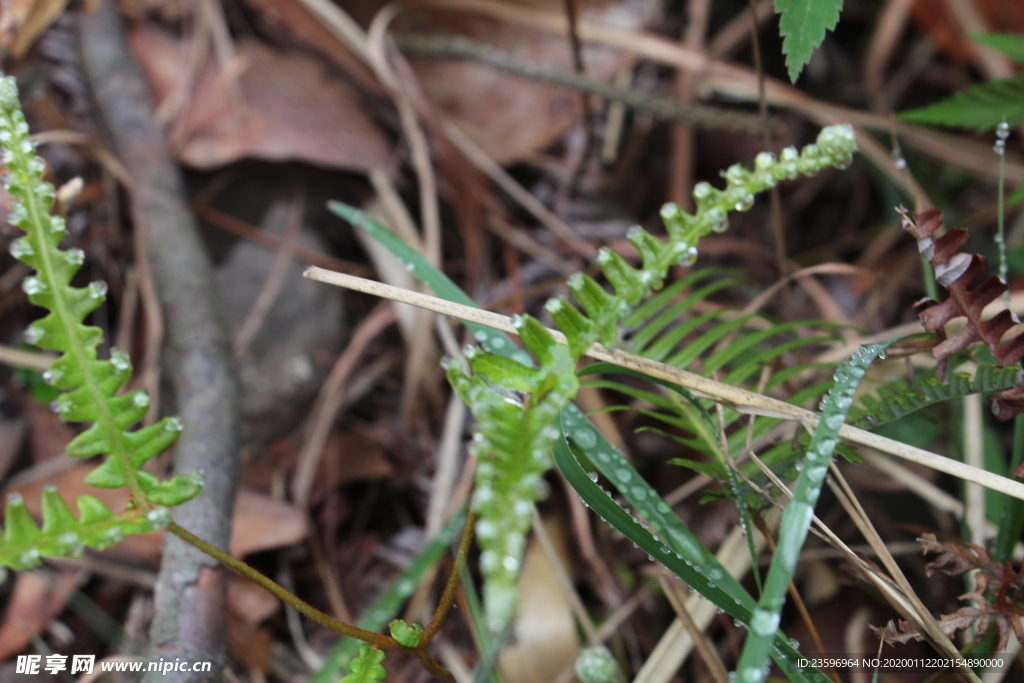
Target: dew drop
x=764 y=623
x=585 y=437
x=689 y=257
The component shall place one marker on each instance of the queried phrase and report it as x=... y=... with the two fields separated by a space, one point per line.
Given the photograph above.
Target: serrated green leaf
x=91 y=385
x=1010 y=44
x=62 y=535
x=367 y=667
x=895 y=399
x=802 y=25
x=981 y=107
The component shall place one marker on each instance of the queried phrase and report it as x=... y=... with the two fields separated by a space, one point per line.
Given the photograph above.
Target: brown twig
x=455 y=47
x=448 y=596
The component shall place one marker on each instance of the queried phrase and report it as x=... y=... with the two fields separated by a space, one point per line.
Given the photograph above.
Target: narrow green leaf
x=707 y=576
x=802 y=25
x=796 y=520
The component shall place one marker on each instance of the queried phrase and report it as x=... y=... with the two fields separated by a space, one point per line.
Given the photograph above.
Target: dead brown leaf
x=37 y=598
x=290 y=20
x=512 y=117
x=293 y=109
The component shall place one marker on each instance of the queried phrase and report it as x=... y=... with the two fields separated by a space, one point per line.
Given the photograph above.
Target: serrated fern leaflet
x=90 y=385
x=366 y=667
x=981 y=107
x=802 y=25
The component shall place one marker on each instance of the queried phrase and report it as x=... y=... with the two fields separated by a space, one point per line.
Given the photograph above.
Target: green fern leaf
x=62 y=535
x=1010 y=44
x=367 y=667
x=406 y=634
x=90 y=385
x=802 y=25
x=980 y=107
x=896 y=399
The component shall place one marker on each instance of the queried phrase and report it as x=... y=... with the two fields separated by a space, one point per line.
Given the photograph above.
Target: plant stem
x=375 y=639
x=448 y=596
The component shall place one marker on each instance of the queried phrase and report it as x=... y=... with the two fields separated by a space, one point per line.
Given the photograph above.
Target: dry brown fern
x=970 y=290
x=997 y=594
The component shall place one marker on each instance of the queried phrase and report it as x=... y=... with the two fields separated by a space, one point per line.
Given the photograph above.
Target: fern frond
x=514 y=439
x=64 y=535
x=897 y=398
x=89 y=384
x=366 y=667
x=513 y=445
x=970 y=291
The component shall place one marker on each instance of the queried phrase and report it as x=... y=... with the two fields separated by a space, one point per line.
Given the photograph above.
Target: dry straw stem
x=741 y=400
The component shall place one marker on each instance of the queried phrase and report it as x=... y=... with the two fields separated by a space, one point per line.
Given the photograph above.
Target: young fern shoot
x=90 y=384
x=514 y=438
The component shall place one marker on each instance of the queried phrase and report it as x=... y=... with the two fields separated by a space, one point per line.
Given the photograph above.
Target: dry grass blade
x=901 y=595
x=329 y=402
x=738 y=399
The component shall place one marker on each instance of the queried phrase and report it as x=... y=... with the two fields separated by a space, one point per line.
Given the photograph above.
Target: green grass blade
x=707 y=577
x=796 y=520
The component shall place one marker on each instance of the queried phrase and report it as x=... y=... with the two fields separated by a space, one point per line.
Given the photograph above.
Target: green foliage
x=515 y=423
x=366 y=667
x=667 y=539
x=981 y=107
x=62 y=535
x=896 y=398
x=406 y=634
x=89 y=385
x=802 y=25
x=1010 y=44
x=672 y=536
x=796 y=520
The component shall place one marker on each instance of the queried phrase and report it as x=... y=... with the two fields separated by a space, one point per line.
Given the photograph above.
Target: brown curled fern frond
x=970 y=290
x=998 y=593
